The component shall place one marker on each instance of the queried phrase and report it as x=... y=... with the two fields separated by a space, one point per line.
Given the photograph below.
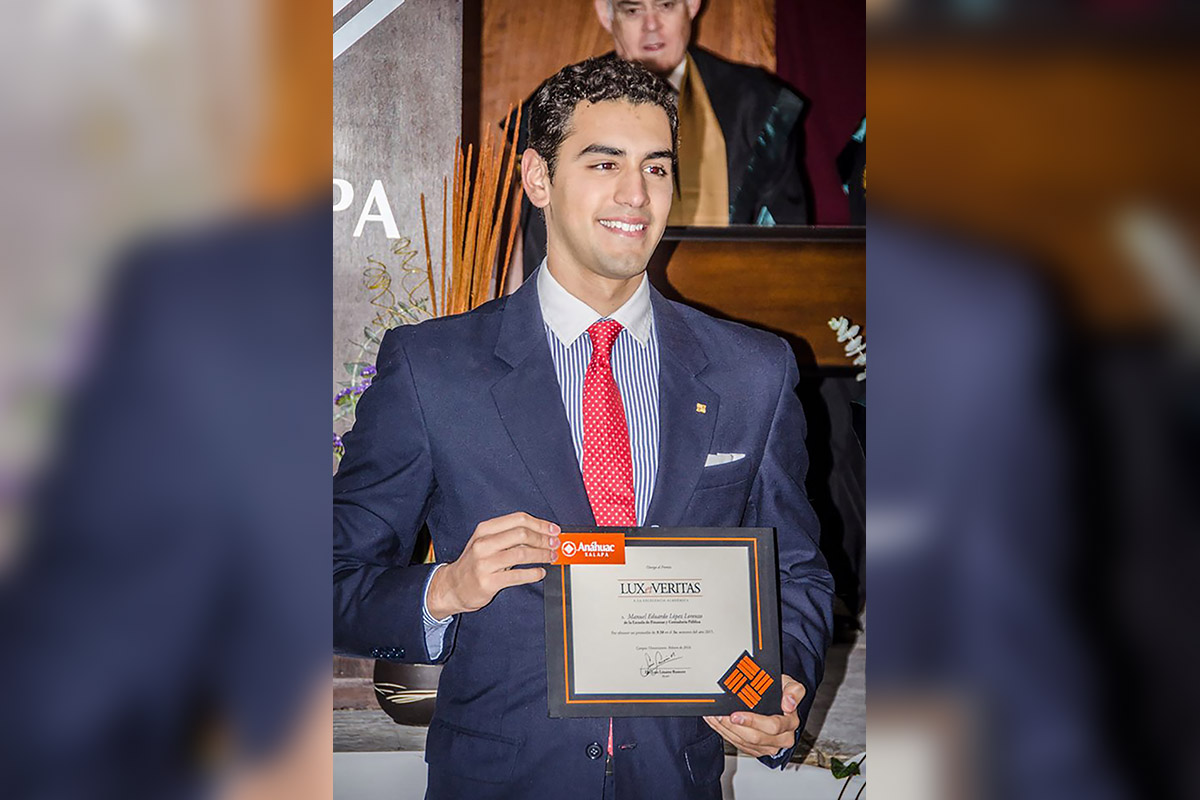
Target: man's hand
x=486 y=564
x=760 y=734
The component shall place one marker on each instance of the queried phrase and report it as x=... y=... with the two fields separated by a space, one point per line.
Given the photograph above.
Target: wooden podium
x=788 y=280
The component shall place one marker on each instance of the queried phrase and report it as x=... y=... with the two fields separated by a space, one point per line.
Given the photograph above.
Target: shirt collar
x=676 y=76
x=569 y=317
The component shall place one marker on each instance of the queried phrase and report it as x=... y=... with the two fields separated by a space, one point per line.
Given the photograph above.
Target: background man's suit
x=465 y=422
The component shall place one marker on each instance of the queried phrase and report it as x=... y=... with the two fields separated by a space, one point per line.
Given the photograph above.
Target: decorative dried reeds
x=483 y=196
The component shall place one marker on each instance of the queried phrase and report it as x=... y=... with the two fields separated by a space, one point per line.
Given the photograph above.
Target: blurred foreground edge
x=168 y=619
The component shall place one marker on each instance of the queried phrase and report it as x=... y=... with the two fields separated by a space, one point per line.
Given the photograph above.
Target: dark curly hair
x=595 y=80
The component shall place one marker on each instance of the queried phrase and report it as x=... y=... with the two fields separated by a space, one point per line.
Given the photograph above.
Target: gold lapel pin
x=701 y=408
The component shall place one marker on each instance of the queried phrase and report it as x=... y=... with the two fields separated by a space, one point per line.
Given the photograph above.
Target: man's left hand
x=762 y=734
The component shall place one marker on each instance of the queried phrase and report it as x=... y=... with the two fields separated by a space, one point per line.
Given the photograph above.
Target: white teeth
x=622 y=226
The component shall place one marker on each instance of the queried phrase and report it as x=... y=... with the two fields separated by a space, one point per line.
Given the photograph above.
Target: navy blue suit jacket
x=464 y=422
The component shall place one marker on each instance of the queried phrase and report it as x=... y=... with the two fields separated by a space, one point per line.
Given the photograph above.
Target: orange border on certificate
x=757 y=606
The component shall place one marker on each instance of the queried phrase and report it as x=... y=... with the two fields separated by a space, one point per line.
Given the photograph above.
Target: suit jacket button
x=594 y=751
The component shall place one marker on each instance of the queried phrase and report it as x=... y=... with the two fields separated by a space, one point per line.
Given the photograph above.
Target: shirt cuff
x=435 y=629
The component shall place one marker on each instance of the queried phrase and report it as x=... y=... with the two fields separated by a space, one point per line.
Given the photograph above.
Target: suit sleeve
x=785 y=194
x=778 y=500
x=381 y=497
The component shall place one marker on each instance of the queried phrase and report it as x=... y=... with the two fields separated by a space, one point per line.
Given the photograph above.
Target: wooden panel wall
x=797 y=286
x=523 y=43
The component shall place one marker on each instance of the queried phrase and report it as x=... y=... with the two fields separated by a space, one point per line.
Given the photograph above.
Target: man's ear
x=603 y=12
x=693 y=8
x=535 y=177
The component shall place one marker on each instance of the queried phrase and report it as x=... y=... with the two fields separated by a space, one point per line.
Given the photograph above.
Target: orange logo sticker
x=591 y=548
x=746 y=680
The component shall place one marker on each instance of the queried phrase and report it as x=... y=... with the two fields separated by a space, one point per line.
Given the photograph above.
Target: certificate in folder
x=663 y=622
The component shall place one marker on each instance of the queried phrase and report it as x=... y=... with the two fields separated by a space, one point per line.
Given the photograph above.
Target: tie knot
x=603 y=334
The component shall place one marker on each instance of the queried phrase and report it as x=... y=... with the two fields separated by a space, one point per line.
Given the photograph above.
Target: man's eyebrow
x=616 y=152
x=602 y=150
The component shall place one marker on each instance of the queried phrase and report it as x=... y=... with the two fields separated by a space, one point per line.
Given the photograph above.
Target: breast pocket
x=725 y=474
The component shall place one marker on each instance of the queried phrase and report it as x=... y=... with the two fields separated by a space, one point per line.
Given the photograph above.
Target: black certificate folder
x=687 y=625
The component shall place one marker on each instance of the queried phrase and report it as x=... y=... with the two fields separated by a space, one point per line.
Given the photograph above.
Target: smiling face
x=607 y=203
x=655 y=33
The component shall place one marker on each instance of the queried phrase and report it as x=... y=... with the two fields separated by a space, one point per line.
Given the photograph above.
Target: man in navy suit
x=480 y=426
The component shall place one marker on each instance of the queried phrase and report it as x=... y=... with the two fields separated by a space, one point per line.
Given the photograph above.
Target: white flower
x=855 y=345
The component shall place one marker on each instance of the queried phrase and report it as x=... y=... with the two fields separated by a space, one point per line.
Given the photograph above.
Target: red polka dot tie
x=607 y=464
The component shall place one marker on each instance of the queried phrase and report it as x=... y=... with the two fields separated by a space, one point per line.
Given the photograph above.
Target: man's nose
x=652 y=22
x=631 y=190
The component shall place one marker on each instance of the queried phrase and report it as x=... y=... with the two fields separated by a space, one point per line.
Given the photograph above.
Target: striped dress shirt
x=635 y=370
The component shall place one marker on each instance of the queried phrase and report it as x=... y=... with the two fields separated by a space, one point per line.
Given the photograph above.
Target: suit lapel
x=685 y=432
x=530 y=405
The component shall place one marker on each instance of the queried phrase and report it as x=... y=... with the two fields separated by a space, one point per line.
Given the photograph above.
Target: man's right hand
x=486 y=564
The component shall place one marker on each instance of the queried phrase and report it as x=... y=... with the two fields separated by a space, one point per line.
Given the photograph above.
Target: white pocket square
x=722 y=458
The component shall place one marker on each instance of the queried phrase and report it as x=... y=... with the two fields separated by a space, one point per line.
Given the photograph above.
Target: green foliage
x=390 y=310
x=847 y=770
